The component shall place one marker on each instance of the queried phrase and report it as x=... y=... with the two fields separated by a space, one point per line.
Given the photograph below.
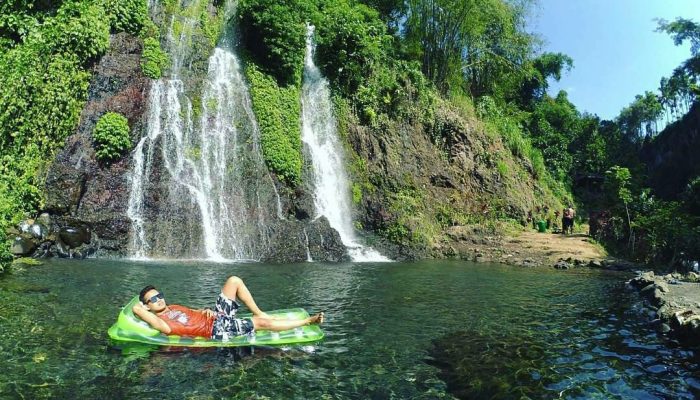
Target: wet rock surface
x=86 y=199
x=298 y=241
x=674 y=301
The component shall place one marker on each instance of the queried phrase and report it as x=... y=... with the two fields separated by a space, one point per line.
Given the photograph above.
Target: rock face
x=672 y=158
x=87 y=199
x=297 y=241
x=675 y=299
x=419 y=174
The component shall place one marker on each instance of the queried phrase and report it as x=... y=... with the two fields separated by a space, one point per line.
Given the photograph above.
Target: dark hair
x=142 y=295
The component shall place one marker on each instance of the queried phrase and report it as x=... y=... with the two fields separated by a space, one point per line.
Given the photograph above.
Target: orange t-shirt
x=185 y=321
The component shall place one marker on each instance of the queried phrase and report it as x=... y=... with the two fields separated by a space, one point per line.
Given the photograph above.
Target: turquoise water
x=402 y=330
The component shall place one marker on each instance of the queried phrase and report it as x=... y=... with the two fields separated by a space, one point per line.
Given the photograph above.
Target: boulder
x=23 y=245
x=74 y=236
x=303 y=205
x=561 y=264
x=44 y=219
x=325 y=243
x=38 y=231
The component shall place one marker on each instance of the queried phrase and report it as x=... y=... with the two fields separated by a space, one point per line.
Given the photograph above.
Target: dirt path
x=548 y=248
x=526 y=248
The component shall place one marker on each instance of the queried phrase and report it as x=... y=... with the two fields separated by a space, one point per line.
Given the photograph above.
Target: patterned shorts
x=226 y=325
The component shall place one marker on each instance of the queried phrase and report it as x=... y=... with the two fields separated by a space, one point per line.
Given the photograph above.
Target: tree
x=618 y=182
x=554 y=125
x=535 y=82
x=467 y=45
x=640 y=118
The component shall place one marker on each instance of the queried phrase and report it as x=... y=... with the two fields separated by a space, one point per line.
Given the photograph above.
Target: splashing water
x=319 y=133
x=199 y=187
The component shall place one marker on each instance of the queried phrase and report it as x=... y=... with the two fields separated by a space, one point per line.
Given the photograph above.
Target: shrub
x=153 y=59
x=80 y=29
x=126 y=15
x=278 y=110
x=274 y=33
x=111 y=136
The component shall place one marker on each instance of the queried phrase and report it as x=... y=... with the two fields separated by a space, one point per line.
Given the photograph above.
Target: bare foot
x=317 y=319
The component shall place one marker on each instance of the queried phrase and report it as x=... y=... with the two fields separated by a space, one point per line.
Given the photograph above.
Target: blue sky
x=616 y=52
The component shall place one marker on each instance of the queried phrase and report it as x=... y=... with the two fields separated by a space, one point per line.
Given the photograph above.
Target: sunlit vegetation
x=388 y=61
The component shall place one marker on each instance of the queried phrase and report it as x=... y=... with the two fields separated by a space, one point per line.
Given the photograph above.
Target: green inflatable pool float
x=130 y=328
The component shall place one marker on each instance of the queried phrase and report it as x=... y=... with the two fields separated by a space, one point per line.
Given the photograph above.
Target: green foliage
x=640 y=117
x=511 y=133
x=351 y=44
x=111 y=135
x=535 y=81
x=126 y=15
x=80 y=29
x=356 y=193
x=5 y=255
x=471 y=45
x=153 y=59
x=554 y=125
x=274 y=33
x=413 y=224
x=278 y=110
x=43 y=86
x=691 y=196
x=618 y=181
x=681 y=30
x=667 y=232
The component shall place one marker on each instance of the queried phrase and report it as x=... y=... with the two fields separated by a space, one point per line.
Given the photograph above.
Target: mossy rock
x=27 y=262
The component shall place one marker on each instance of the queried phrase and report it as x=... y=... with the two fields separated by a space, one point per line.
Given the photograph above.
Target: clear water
x=401 y=330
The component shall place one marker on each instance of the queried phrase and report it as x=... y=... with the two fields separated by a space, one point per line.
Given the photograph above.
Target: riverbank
x=673 y=301
x=530 y=249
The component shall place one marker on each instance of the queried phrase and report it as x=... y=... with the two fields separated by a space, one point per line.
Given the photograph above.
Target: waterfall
x=199 y=187
x=332 y=191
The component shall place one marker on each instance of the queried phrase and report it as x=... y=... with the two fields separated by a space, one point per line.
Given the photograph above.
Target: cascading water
x=199 y=187
x=319 y=133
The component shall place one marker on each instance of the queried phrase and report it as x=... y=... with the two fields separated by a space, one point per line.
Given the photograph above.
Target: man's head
x=152 y=298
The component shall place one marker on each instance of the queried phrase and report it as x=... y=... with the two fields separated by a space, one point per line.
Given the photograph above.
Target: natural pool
x=433 y=329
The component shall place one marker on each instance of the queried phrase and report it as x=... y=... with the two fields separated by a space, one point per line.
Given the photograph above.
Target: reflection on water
x=419 y=330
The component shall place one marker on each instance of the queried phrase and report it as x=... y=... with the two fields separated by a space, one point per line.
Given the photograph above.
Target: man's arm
x=208 y=312
x=152 y=319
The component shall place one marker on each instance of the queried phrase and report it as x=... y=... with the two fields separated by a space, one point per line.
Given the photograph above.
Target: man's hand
x=208 y=312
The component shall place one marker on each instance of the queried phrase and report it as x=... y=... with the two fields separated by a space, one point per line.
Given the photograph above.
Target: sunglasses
x=155 y=298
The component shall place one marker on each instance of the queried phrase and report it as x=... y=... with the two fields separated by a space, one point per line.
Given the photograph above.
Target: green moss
x=502 y=168
x=193 y=153
x=278 y=110
x=356 y=193
x=211 y=26
x=27 y=261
